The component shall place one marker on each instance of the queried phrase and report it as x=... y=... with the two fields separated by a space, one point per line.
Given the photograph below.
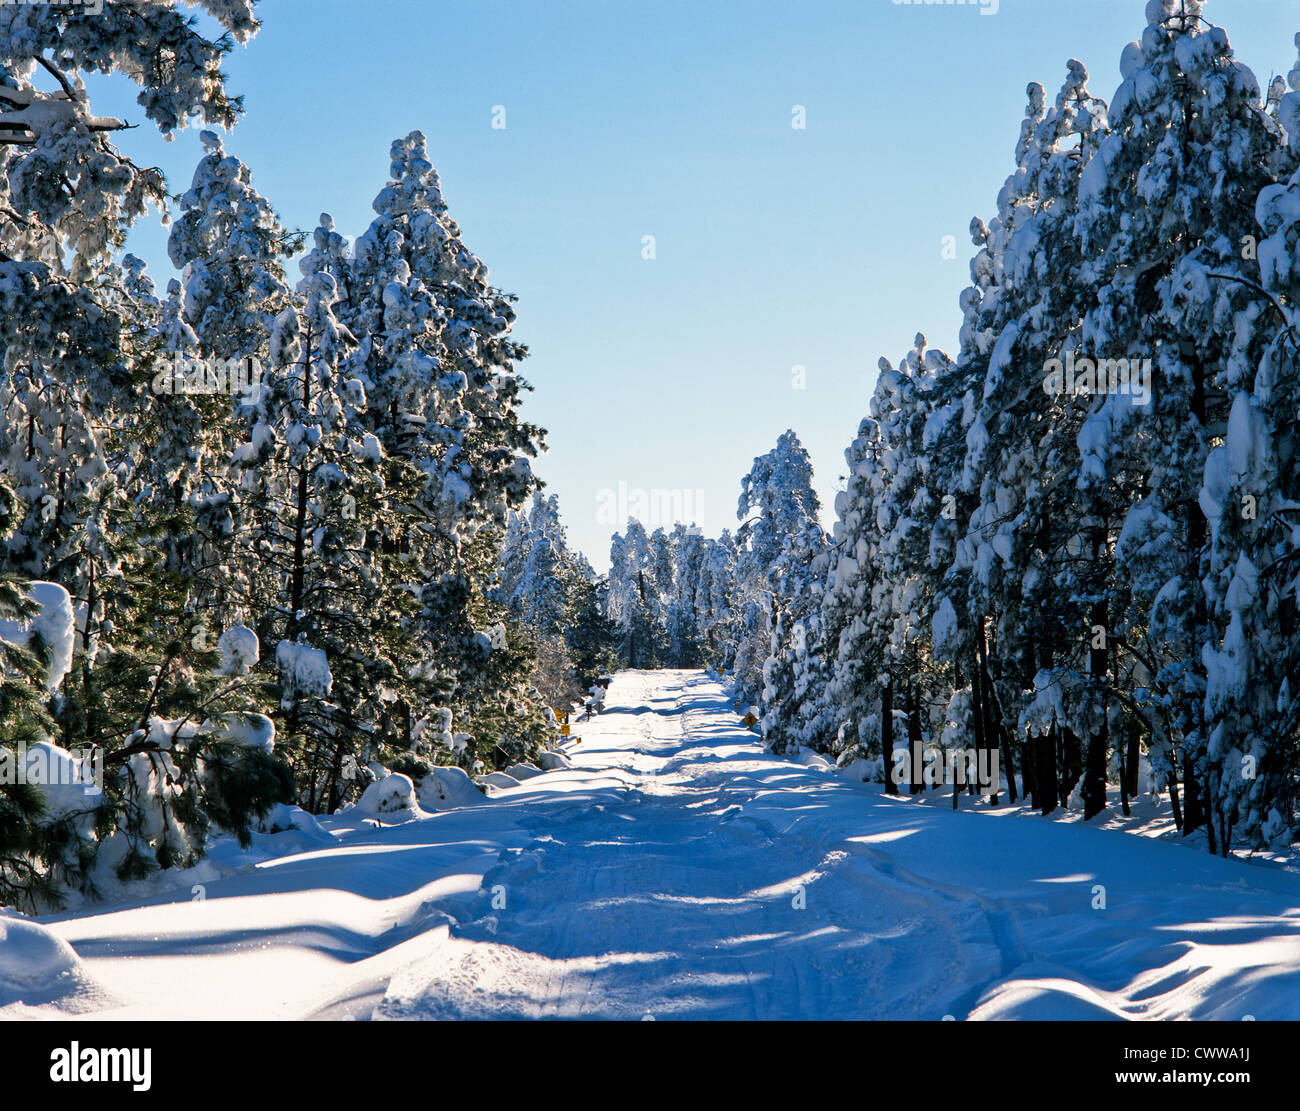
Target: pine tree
x=1163 y=209
x=780 y=545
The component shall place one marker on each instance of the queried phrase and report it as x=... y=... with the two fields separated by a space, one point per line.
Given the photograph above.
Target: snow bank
x=448 y=789
x=394 y=794
x=30 y=955
x=281 y=818
x=41 y=975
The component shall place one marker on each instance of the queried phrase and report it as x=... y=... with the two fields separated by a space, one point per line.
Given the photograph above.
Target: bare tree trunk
x=1134 y=758
x=915 y=742
x=1174 y=804
x=1094 y=770
x=977 y=712
x=887 y=736
x=1029 y=770
x=1047 y=773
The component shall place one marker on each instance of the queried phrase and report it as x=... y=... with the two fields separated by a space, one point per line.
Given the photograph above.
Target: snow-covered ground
x=678 y=871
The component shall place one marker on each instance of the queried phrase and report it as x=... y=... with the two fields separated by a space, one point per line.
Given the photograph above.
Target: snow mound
x=553 y=761
x=393 y=794
x=447 y=789
x=810 y=759
x=523 y=771
x=281 y=818
x=498 y=779
x=30 y=954
x=1051 y=998
x=38 y=969
x=857 y=771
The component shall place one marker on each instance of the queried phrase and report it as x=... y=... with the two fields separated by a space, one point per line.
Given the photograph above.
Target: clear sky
x=775 y=247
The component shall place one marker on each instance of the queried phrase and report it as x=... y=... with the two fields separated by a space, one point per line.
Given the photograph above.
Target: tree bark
x=977 y=712
x=915 y=742
x=1029 y=770
x=887 y=736
x=1193 y=811
x=1134 y=758
x=1045 y=760
x=1094 y=771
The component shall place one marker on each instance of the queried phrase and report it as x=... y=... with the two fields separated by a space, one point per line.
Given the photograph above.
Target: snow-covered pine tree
x=535 y=570
x=681 y=624
x=779 y=569
x=1012 y=503
x=901 y=606
x=551 y=591
x=860 y=690
x=436 y=360
x=315 y=489
x=78 y=338
x=1164 y=207
x=632 y=600
x=1251 y=498
x=713 y=601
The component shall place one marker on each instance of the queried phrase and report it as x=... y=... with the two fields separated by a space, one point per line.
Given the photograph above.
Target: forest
x=270 y=538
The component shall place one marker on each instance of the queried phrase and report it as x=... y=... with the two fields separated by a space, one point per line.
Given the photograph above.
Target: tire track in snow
x=671 y=904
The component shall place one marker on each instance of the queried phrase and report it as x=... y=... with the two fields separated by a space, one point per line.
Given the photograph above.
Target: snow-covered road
x=677 y=871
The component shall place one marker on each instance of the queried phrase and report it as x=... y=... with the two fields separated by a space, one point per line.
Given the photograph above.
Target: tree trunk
x=1029 y=770
x=915 y=742
x=1008 y=762
x=1094 y=774
x=991 y=738
x=977 y=712
x=298 y=578
x=1174 y=804
x=1071 y=764
x=1094 y=771
x=887 y=736
x=1134 y=758
x=1045 y=760
x=1121 y=751
x=1193 y=811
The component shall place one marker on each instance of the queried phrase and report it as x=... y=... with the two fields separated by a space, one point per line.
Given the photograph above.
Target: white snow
x=393 y=795
x=305 y=669
x=248 y=730
x=447 y=789
x=679 y=870
x=41 y=974
x=239 y=650
x=55 y=624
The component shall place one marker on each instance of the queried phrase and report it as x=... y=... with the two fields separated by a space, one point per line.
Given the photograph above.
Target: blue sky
x=775 y=247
